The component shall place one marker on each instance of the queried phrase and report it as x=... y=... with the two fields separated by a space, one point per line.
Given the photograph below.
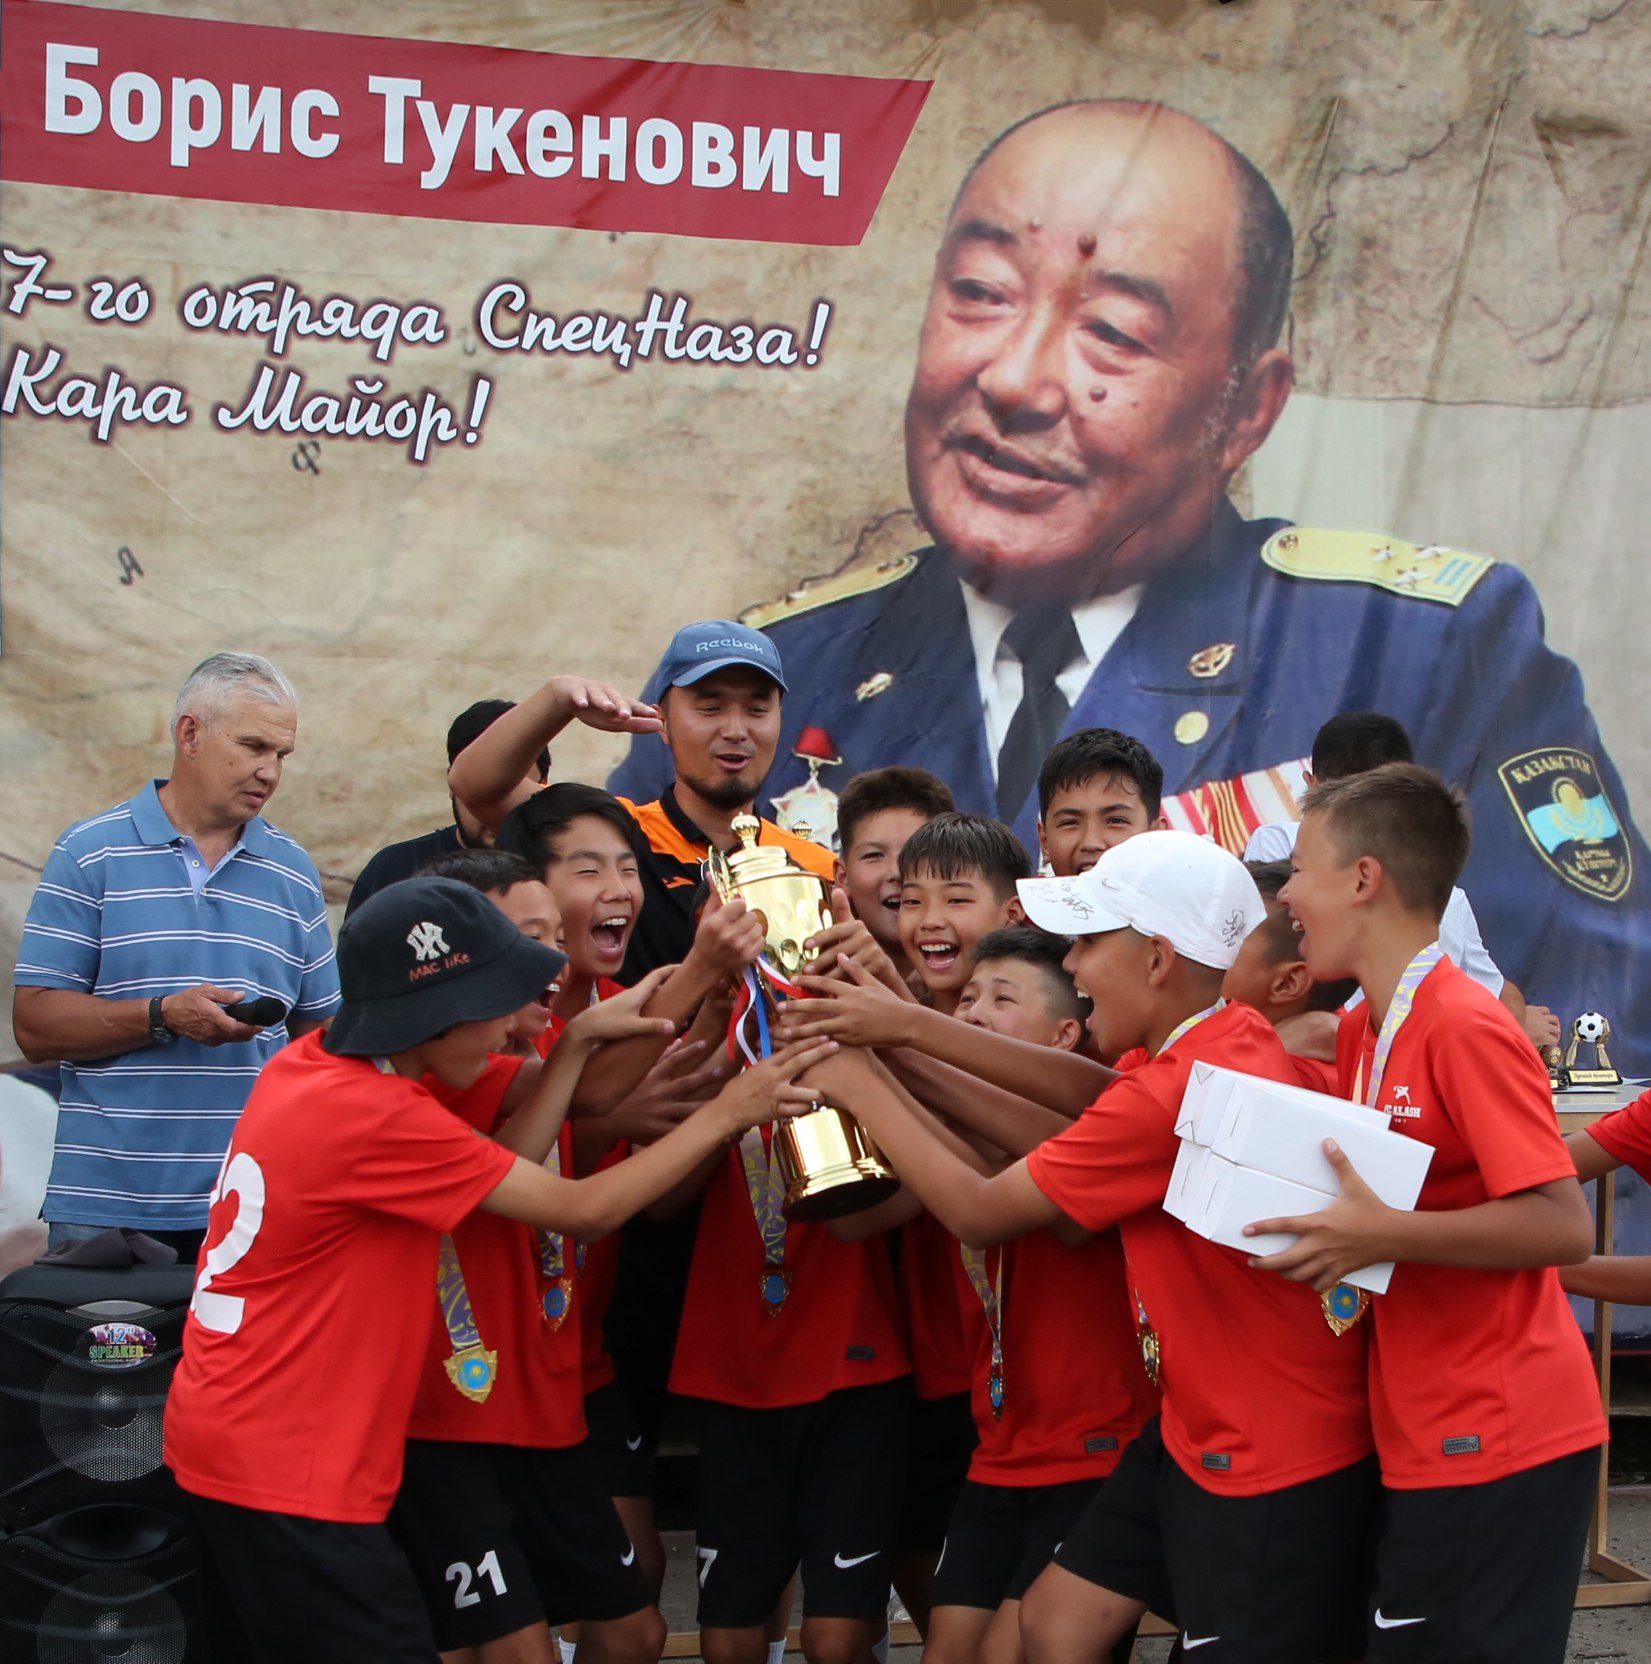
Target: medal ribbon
x=1399 y=1008
x=766 y=1188
x=1190 y=1023
x=472 y=1366
x=990 y=1294
x=558 y=1294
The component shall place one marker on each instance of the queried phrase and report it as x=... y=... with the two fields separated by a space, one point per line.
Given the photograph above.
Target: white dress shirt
x=1099 y=623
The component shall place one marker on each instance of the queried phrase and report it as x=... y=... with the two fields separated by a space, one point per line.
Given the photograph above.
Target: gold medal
x=1343 y=1306
x=473 y=1370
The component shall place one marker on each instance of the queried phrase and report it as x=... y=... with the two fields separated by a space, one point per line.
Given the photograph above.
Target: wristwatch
x=159 y=1033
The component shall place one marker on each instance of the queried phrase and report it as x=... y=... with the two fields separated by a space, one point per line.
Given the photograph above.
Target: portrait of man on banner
x=1103 y=350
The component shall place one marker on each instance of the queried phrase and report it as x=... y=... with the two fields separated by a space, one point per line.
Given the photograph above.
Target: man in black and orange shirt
x=720 y=718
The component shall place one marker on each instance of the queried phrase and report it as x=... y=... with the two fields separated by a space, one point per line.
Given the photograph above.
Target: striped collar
x=156 y=829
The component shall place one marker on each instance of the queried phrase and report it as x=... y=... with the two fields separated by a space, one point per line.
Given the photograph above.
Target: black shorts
x=815 y=1485
x=1001 y=1536
x=943 y=1438
x=1476 y=1574
x=1284 y=1575
x=623 y=1456
x=501 y=1536
x=278 y=1587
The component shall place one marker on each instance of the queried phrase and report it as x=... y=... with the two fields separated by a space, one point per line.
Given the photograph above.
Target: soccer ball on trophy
x=1592 y=1028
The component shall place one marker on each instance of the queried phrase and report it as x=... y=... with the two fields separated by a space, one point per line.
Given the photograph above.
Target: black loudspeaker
x=86 y=1359
x=98 y=1563
x=113 y=1583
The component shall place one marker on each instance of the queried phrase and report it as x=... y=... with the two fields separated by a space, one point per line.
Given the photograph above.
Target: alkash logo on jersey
x=1569 y=818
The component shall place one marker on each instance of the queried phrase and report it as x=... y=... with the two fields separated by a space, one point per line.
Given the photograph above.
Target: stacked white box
x=1254 y=1149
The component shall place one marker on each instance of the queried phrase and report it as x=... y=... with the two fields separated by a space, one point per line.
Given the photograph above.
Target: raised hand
x=620 y=1018
x=599 y=705
x=767 y=1091
x=857 y=1010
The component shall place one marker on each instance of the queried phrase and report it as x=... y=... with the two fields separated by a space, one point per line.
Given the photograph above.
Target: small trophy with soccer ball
x=1592 y=1028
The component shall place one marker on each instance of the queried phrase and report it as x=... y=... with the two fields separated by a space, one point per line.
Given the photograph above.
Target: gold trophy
x=1592 y=1028
x=829 y=1163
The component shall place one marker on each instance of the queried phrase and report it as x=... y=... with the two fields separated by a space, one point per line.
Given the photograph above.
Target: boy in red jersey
x=1059 y=1391
x=1486 y=1412
x=1242 y=1513
x=302 y=1350
x=1619 y=1139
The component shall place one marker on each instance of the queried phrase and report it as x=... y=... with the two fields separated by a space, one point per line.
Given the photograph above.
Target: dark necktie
x=1045 y=640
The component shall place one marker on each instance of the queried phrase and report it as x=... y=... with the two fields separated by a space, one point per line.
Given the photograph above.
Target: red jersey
x=1258 y=1393
x=1626 y=1134
x=596 y=1263
x=306 y=1334
x=1075 y=1389
x=536 y=1397
x=931 y=1309
x=838 y=1327
x=1315 y=1075
x=1473 y=1374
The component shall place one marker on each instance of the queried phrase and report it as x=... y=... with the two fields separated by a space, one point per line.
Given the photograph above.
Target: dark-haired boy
x=413 y=855
x=1243 y=1514
x=877 y=811
x=1095 y=788
x=1486 y=1413
x=323 y=1247
x=1056 y=1401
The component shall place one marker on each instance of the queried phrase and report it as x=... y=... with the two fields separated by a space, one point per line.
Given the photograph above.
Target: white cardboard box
x=1183 y=1180
x=1285 y=1137
x=1222 y=1198
x=1210 y=1089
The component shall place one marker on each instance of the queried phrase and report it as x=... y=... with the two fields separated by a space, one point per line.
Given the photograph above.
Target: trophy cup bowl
x=829 y=1162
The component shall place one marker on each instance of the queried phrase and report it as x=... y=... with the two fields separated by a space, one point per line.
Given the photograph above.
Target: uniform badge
x=1212 y=660
x=1569 y=818
x=811 y=805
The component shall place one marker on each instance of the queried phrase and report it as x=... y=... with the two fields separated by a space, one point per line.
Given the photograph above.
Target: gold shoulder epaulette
x=852 y=580
x=1429 y=573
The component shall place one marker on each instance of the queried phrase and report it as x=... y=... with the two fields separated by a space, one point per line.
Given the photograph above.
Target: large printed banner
x=431 y=350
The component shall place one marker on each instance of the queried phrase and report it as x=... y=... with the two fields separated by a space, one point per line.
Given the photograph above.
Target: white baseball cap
x=1188 y=890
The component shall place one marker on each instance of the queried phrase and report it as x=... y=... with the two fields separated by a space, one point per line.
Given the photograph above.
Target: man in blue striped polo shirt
x=149 y=920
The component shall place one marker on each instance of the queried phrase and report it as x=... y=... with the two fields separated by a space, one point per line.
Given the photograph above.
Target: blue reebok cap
x=698 y=649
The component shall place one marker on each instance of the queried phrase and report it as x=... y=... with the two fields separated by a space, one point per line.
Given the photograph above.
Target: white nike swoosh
x=1188 y=1642
x=628 y=1559
x=843 y=1565
x=1395 y=1623
x=634 y=1444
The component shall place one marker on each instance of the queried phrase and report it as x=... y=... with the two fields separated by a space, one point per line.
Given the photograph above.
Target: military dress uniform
x=1235 y=655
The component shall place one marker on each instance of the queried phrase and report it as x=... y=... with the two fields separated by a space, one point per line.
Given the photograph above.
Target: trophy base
x=1594 y=1080
x=830 y=1165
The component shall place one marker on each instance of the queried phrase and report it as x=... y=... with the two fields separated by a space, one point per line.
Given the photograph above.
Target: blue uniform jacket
x=884 y=665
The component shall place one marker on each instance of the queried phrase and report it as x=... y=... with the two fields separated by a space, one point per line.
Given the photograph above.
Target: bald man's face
x=1068 y=426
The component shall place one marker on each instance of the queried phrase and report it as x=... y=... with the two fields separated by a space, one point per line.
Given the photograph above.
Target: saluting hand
x=598 y=705
x=1347 y=1236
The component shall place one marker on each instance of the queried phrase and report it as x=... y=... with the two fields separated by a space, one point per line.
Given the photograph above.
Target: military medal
x=990 y=1293
x=473 y=1367
x=1343 y=1306
x=810 y=810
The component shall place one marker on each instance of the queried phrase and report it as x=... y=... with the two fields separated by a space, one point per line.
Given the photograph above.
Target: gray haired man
x=152 y=921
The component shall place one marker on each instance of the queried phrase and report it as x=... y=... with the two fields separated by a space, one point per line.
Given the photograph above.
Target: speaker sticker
x=118 y=1345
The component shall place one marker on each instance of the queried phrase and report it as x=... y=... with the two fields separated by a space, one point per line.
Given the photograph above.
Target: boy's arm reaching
x=979 y=1210
x=593 y=1207
x=1014 y=1124
x=1606 y=1277
x=1548 y=1224
x=858 y=1012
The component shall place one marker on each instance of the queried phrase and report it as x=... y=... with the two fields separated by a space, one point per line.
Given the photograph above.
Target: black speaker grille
x=107 y=1429
x=112 y=1616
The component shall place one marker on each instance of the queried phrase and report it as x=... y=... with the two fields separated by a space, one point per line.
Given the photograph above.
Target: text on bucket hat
x=427 y=953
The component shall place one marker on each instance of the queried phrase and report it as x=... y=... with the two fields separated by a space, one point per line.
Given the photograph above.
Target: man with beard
x=1099 y=356
x=719 y=716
